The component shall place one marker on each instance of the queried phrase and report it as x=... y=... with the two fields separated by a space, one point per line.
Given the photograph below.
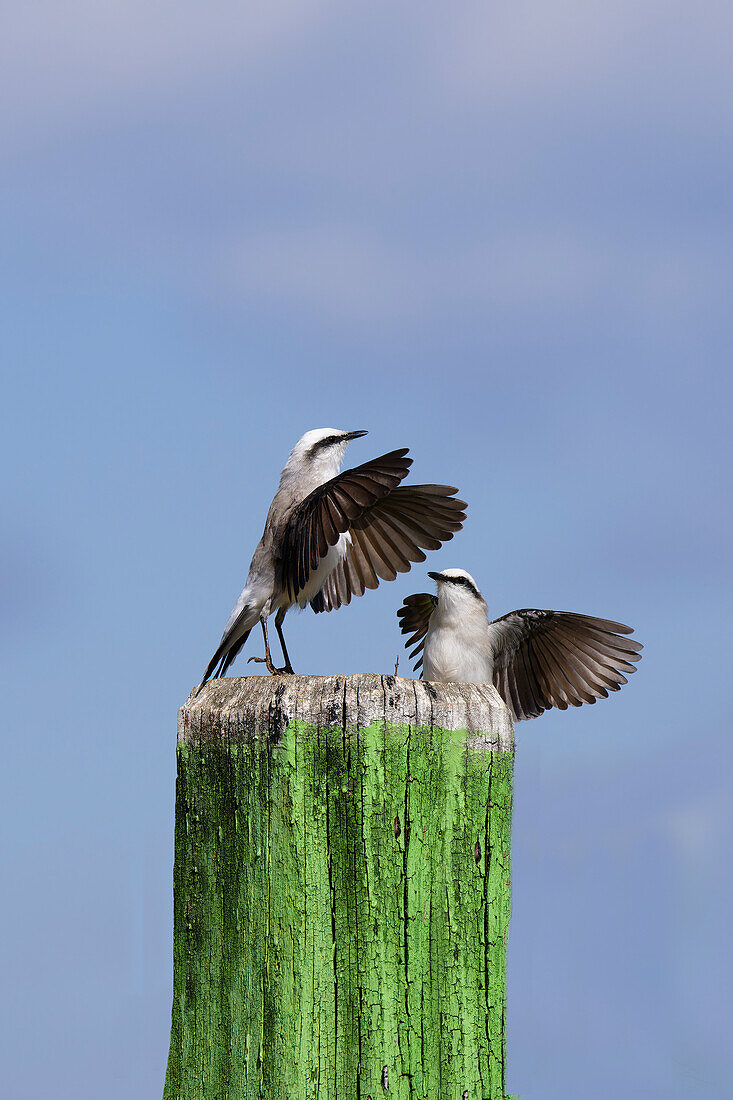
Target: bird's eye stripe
x=325 y=442
x=465 y=582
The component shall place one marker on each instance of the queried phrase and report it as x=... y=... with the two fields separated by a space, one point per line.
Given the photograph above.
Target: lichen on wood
x=341 y=891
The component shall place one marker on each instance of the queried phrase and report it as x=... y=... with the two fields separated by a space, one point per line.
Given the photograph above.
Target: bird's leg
x=267 y=659
x=279 y=628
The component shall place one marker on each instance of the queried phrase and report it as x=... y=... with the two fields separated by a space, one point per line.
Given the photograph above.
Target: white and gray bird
x=535 y=659
x=328 y=536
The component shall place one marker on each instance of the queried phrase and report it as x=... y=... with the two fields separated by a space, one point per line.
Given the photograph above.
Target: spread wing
x=389 y=536
x=414 y=617
x=548 y=659
x=330 y=510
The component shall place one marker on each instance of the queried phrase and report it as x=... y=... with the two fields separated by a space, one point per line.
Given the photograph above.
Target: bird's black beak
x=435 y=576
x=353 y=435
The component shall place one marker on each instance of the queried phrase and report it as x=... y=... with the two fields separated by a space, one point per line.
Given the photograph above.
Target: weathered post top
x=341 y=890
x=260 y=707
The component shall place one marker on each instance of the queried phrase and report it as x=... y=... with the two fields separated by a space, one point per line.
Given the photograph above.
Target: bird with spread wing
x=535 y=659
x=330 y=535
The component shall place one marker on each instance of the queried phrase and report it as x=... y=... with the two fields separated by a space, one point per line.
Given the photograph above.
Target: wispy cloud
x=348 y=273
x=367 y=165
x=79 y=59
x=492 y=54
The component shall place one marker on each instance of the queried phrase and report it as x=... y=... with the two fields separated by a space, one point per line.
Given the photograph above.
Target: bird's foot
x=270 y=667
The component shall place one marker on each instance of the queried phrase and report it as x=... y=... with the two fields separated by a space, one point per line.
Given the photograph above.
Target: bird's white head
x=458 y=589
x=317 y=456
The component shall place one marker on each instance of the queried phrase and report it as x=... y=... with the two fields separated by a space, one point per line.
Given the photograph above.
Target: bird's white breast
x=457 y=645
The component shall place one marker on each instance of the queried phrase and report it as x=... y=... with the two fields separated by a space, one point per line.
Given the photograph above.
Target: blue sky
x=497 y=234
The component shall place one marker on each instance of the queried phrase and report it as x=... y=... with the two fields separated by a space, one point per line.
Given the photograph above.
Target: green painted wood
x=341 y=892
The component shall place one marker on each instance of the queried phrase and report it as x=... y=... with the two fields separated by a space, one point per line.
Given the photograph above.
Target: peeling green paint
x=341 y=907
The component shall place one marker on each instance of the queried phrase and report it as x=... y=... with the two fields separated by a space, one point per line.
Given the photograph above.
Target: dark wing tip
x=417 y=597
x=441 y=491
x=600 y=624
x=400 y=453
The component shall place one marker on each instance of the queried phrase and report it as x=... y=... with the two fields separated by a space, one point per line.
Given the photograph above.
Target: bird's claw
x=270 y=667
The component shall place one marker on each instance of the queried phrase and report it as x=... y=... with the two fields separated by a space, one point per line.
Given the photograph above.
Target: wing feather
x=390 y=535
x=330 y=510
x=558 y=659
x=414 y=619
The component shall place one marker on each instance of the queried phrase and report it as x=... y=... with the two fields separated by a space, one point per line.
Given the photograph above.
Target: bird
x=329 y=535
x=535 y=659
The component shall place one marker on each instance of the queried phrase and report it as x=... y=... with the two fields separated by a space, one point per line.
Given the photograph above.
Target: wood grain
x=341 y=890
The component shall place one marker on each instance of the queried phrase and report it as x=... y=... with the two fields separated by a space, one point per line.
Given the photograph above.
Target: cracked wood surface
x=341 y=890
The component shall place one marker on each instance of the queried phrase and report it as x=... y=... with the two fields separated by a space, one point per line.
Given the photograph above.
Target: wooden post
x=341 y=891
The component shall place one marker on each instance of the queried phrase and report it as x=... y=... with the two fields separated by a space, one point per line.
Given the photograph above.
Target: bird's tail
x=231 y=643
